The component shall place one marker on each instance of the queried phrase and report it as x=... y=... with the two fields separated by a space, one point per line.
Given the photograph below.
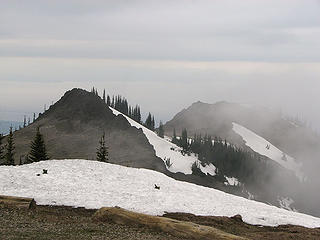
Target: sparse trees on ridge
x=149 y=123
x=121 y=104
x=184 y=140
x=161 y=130
x=174 y=138
x=108 y=100
x=102 y=151
x=94 y=91
x=38 y=149
x=227 y=158
x=104 y=95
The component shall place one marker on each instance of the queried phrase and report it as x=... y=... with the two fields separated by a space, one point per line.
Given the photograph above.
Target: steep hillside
x=73 y=126
x=288 y=152
x=218 y=119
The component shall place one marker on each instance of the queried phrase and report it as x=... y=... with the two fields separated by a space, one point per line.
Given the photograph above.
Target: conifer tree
x=184 y=140
x=136 y=115
x=174 y=138
x=34 y=117
x=113 y=104
x=38 y=150
x=130 y=112
x=108 y=100
x=24 y=121
x=161 y=130
x=104 y=95
x=152 y=123
x=9 y=155
x=148 y=122
x=102 y=151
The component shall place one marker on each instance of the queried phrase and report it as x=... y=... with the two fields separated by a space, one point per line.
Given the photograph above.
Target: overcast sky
x=162 y=54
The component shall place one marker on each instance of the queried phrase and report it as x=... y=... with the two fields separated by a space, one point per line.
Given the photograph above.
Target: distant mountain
x=5 y=126
x=222 y=119
x=284 y=143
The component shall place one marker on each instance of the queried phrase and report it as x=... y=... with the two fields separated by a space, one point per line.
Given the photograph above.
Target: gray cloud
x=263 y=52
x=176 y=30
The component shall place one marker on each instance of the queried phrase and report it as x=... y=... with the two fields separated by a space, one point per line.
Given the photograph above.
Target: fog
x=163 y=55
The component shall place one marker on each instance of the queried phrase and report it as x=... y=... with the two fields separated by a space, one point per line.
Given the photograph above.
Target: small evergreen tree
x=9 y=156
x=161 y=130
x=112 y=103
x=184 y=140
x=102 y=151
x=108 y=100
x=24 y=121
x=104 y=95
x=38 y=150
x=174 y=138
x=148 y=122
x=34 y=117
x=152 y=123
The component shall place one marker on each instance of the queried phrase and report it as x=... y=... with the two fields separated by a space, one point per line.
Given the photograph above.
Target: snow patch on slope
x=265 y=148
x=164 y=149
x=232 y=181
x=286 y=203
x=208 y=169
x=93 y=184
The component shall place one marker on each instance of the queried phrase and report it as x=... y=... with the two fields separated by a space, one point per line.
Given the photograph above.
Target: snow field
x=265 y=148
x=92 y=184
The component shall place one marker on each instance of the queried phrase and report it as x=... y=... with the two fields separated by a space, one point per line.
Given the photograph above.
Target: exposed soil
x=48 y=222
x=63 y=223
x=239 y=228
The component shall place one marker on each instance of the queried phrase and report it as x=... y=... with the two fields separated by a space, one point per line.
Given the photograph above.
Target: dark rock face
x=73 y=126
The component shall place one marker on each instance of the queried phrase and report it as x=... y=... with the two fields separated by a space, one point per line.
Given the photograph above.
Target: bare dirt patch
x=237 y=227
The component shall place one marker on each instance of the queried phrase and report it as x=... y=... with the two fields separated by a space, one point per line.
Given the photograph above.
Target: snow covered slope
x=265 y=148
x=169 y=152
x=92 y=184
